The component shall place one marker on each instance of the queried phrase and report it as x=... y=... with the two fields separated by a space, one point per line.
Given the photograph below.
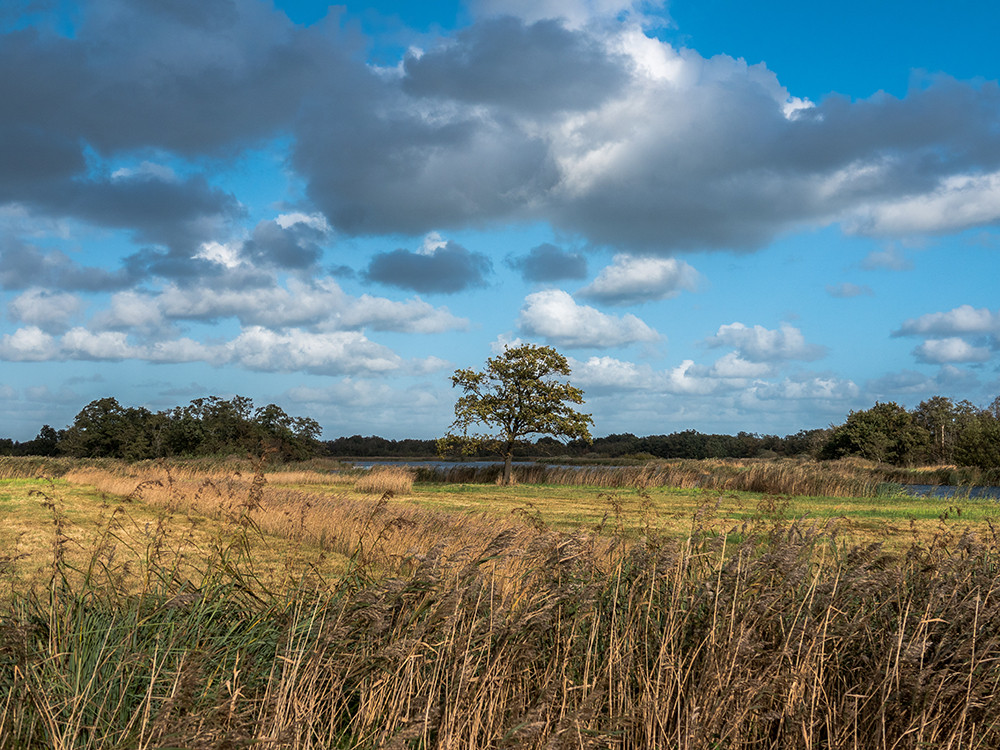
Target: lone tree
x=518 y=394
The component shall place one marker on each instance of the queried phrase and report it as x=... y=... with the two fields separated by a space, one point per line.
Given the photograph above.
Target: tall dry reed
x=843 y=478
x=396 y=480
x=773 y=636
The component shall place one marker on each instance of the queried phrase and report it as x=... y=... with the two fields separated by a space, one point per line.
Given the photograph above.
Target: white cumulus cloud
x=732 y=365
x=760 y=344
x=51 y=311
x=630 y=280
x=958 y=202
x=321 y=305
x=131 y=310
x=29 y=344
x=964 y=319
x=79 y=343
x=608 y=373
x=336 y=353
x=555 y=316
x=952 y=349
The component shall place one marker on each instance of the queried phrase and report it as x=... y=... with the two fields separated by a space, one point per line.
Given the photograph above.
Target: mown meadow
x=241 y=604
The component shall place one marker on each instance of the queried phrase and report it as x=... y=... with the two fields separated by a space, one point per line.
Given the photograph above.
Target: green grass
x=896 y=520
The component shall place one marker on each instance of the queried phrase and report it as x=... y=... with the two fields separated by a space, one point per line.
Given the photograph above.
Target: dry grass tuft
x=396 y=480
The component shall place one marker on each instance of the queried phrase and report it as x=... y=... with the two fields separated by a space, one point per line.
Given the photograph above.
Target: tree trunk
x=507 y=471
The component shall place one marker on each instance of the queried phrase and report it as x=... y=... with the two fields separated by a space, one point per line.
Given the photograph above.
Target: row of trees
x=206 y=426
x=522 y=392
x=938 y=431
x=685 y=444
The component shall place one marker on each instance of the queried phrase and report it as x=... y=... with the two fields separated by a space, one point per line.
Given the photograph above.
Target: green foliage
x=519 y=393
x=104 y=428
x=886 y=433
x=207 y=426
x=979 y=443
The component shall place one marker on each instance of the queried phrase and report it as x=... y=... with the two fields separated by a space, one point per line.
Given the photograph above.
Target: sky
x=729 y=216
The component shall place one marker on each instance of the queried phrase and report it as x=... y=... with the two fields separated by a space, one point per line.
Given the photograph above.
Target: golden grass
x=322 y=509
x=668 y=618
x=844 y=478
x=334 y=520
x=396 y=480
x=530 y=639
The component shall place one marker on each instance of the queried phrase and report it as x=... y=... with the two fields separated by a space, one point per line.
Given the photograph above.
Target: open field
x=177 y=606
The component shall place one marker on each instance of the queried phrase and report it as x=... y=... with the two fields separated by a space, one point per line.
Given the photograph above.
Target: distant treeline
x=206 y=426
x=686 y=444
x=938 y=431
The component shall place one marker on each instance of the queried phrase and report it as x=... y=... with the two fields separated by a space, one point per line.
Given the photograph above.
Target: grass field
x=179 y=605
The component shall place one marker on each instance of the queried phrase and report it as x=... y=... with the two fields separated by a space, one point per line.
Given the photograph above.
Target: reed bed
x=844 y=478
x=848 y=477
x=396 y=480
x=330 y=523
x=771 y=636
x=30 y=467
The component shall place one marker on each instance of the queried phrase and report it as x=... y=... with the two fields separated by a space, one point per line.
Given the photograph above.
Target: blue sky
x=729 y=216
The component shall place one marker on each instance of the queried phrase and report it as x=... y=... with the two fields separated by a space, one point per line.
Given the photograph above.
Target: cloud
x=182 y=350
x=632 y=280
x=50 y=311
x=138 y=74
x=808 y=387
x=607 y=374
x=961 y=320
x=286 y=244
x=686 y=153
x=320 y=304
x=505 y=341
x=357 y=405
x=729 y=373
x=562 y=111
x=255 y=348
x=131 y=310
x=890 y=259
x=490 y=62
x=847 y=290
x=133 y=78
x=573 y=13
x=940 y=351
x=179 y=214
x=759 y=344
x=556 y=317
x=44 y=394
x=732 y=365
x=546 y=262
x=956 y=203
x=687 y=378
x=337 y=353
x=79 y=343
x=23 y=266
x=30 y=344
x=444 y=270
x=916 y=385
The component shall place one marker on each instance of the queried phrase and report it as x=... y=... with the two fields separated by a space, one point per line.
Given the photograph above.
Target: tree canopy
x=519 y=393
x=886 y=432
x=207 y=426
